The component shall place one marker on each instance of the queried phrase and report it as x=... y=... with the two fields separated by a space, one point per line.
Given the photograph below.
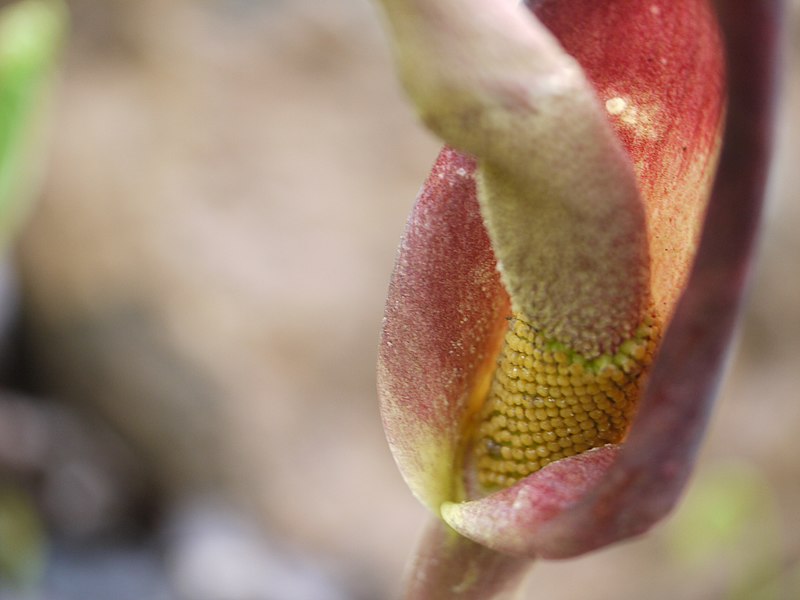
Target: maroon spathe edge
x=649 y=475
x=445 y=316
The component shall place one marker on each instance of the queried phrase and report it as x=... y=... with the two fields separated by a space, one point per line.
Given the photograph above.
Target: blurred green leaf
x=31 y=34
x=22 y=538
x=730 y=518
x=720 y=514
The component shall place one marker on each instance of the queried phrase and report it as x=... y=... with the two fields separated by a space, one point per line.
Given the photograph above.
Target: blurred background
x=192 y=322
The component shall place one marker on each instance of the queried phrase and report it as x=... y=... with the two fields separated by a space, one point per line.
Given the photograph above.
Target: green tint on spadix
x=547 y=402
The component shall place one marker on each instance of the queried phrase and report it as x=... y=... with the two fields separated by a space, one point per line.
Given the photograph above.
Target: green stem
x=447 y=566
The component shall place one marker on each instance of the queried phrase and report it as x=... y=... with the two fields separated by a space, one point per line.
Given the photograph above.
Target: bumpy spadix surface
x=547 y=402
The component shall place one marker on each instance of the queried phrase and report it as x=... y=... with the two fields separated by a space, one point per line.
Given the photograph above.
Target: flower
x=556 y=322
